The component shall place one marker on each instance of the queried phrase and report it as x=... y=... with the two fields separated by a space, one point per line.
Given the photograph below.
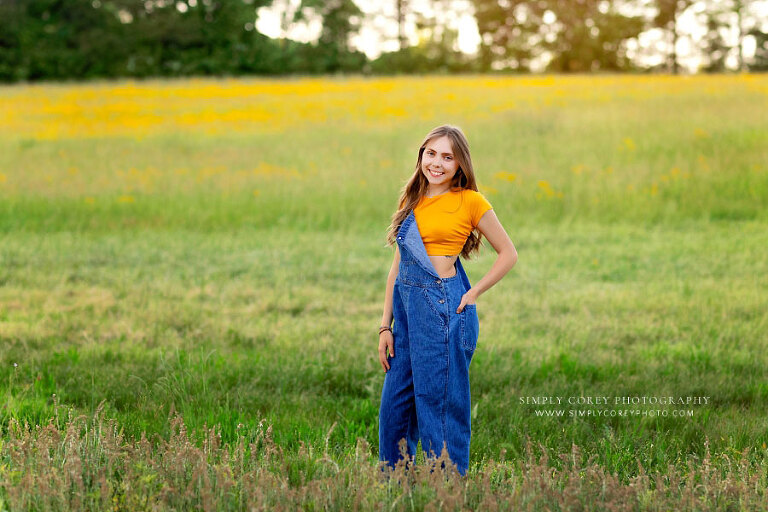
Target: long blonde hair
x=417 y=185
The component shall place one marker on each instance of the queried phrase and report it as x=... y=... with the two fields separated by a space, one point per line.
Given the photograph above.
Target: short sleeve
x=478 y=205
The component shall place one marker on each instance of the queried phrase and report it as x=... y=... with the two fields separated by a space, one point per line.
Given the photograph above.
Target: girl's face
x=438 y=163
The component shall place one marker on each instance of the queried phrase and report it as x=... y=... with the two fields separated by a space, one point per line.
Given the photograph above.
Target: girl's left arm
x=492 y=229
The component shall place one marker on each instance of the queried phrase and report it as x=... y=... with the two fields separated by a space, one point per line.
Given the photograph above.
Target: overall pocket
x=470 y=327
x=407 y=271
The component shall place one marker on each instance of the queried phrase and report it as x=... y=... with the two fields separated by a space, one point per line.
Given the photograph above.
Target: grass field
x=216 y=248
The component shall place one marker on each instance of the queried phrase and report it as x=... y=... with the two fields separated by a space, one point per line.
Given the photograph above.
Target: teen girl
x=427 y=352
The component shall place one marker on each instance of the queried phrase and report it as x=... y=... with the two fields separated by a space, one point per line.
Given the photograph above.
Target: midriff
x=444 y=265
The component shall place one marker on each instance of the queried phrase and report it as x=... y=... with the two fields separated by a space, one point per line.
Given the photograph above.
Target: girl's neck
x=432 y=193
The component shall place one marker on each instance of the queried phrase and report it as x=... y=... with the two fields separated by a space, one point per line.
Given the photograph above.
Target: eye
x=449 y=157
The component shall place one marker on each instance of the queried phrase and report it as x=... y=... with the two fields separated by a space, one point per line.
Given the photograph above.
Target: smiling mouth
x=435 y=174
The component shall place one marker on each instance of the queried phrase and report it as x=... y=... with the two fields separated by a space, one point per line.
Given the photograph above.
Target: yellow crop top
x=446 y=220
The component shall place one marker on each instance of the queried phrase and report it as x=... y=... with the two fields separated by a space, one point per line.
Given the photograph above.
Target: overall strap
x=409 y=238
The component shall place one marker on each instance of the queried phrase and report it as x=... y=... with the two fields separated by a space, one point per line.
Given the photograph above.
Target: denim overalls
x=426 y=390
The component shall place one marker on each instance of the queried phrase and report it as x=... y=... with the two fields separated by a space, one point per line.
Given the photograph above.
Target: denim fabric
x=426 y=390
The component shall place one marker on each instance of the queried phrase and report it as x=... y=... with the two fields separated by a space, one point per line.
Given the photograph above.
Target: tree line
x=82 y=39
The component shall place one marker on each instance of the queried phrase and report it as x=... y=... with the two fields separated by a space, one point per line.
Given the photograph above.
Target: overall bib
x=426 y=390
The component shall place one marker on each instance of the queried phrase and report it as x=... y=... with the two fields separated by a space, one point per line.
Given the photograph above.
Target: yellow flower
x=508 y=176
x=126 y=199
x=629 y=144
x=545 y=186
x=487 y=190
x=700 y=134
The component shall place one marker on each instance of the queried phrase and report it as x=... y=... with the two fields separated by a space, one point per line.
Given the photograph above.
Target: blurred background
x=80 y=39
x=194 y=199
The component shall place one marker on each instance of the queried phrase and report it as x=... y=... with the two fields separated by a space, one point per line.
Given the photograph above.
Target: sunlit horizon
x=378 y=32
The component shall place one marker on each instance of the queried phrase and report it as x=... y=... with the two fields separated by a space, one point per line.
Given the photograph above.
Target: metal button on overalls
x=426 y=392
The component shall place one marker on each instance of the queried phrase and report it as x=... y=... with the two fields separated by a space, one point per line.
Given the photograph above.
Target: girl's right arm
x=386 y=340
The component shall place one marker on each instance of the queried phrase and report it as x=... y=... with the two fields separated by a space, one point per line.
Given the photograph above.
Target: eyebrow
x=433 y=149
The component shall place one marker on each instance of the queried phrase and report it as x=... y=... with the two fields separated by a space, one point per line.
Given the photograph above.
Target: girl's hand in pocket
x=467 y=298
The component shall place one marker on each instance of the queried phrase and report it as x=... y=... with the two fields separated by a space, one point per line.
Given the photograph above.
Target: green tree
x=189 y=37
x=510 y=32
x=668 y=11
x=714 y=45
x=436 y=50
x=579 y=35
x=57 y=39
x=590 y=36
x=341 y=19
x=719 y=17
x=747 y=23
x=11 y=37
x=63 y=39
x=760 y=61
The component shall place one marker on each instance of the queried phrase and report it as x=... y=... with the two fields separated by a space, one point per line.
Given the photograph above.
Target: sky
x=378 y=32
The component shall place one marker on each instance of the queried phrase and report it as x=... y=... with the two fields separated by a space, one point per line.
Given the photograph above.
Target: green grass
x=231 y=307
x=230 y=328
